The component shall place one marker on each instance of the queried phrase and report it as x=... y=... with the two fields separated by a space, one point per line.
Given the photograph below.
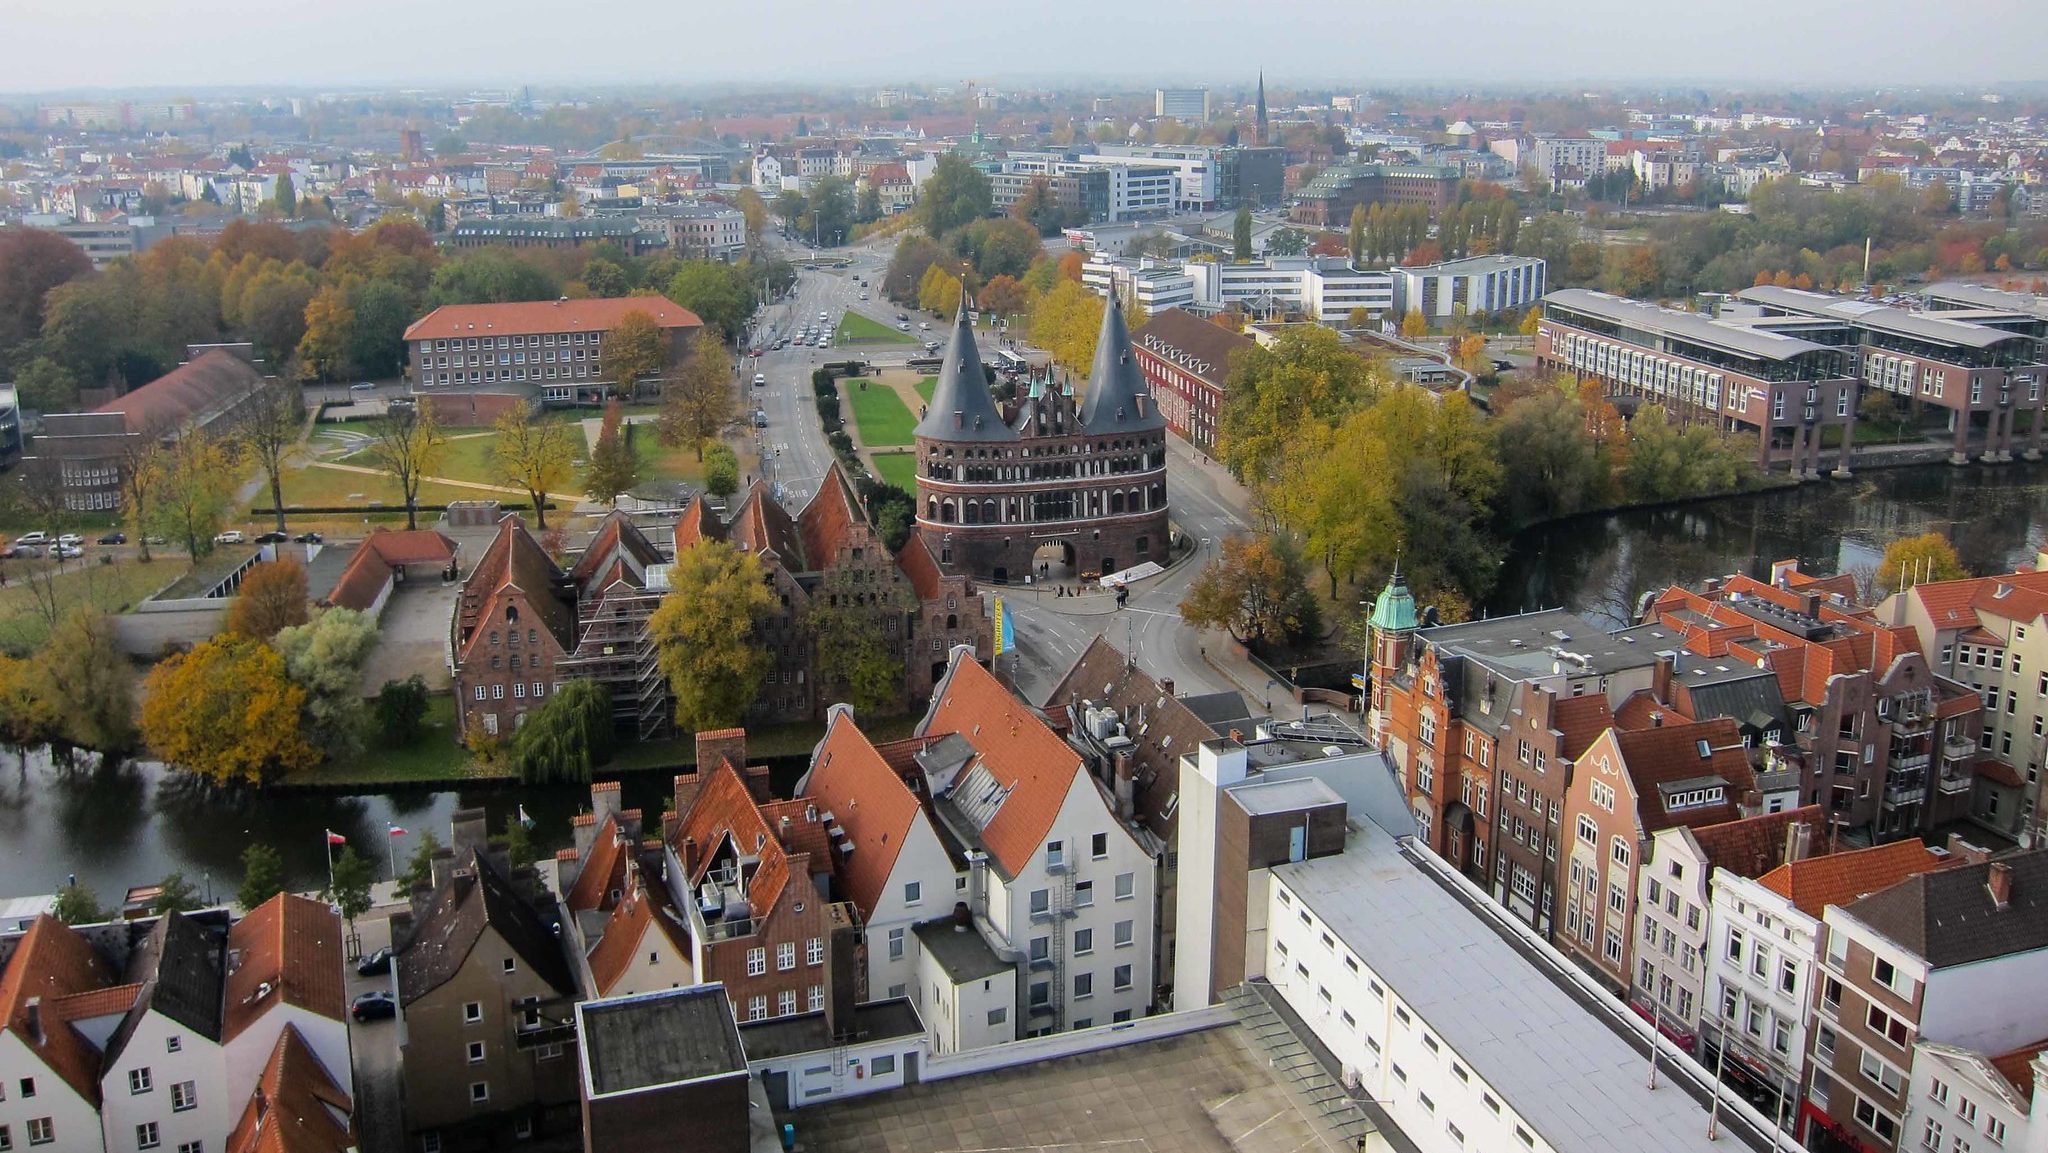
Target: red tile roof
x=725 y=808
x=831 y=521
x=297 y=1107
x=293 y=945
x=761 y=525
x=616 y=539
x=1017 y=748
x=513 y=560
x=411 y=546
x=2017 y=1066
x=1755 y=845
x=1839 y=878
x=1581 y=720
x=603 y=873
x=916 y=561
x=1999 y=773
x=868 y=799
x=53 y=961
x=1671 y=754
x=546 y=316
x=645 y=907
x=197 y=390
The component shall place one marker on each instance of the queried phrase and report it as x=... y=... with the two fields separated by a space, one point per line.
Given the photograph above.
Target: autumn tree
x=272 y=597
x=1307 y=376
x=407 y=443
x=226 y=711
x=86 y=674
x=940 y=291
x=537 y=456
x=32 y=262
x=30 y=714
x=635 y=349
x=704 y=629
x=1256 y=590
x=614 y=467
x=1004 y=296
x=698 y=398
x=324 y=657
x=565 y=739
x=1414 y=326
x=1066 y=322
x=269 y=431
x=330 y=334
x=1915 y=560
x=190 y=483
x=262 y=876
x=847 y=619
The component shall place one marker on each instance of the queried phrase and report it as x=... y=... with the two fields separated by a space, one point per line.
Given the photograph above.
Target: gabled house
x=296 y=1107
x=486 y=998
x=1972 y=1099
x=515 y=619
x=55 y=992
x=629 y=935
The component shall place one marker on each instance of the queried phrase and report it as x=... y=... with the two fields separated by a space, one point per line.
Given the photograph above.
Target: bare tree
x=408 y=443
x=140 y=475
x=271 y=427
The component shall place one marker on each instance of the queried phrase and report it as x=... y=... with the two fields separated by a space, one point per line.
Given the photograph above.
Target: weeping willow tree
x=566 y=738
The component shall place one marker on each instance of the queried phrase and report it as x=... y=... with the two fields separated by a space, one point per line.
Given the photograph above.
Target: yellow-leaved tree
x=1914 y=560
x=226 y=711
x=704 y=633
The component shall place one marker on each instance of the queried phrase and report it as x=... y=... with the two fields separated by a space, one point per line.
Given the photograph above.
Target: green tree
x=847 y=619
x=286 y=198
x=1667 y=461
x=46 y=386
x=614 y=467
x=380 y=311
x=1241 y=235
x=535 y=455
x=83 y=669
x=566 y=738
x=1307 y=376
x=262 y=876
x=78 y=905
x=419 y=868
x=704 y=633
x=1357 y=237
x=518 y=842
x=491 y=275
x=325 y=657
x=717 y=293
x=828 y=211
x=407 y=443
x=605 y=279
x=955 y=194
x=400 y=710
x=176 y=895
x=721 y=470
x=636 y=349
x=1914 y=560
x=1550 y=467
x=349 y=887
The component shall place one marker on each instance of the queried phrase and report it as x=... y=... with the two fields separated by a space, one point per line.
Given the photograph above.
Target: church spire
x=1259 y=122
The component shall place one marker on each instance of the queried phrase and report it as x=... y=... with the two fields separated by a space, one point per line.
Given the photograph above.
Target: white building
x=1480 y=284
x=1182 y=103
x=1962 y=1100
x=1196 y=185
x=1566 y=161
x=1155 y=284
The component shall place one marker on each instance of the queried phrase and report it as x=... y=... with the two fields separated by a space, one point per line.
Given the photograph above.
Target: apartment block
x=1186 y=360
x=1480 y=285
x=554 y=345
x=1327 y=201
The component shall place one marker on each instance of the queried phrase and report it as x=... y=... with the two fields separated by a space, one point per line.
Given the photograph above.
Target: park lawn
x=112 y=588
x=327 y=488
x=854 y=327
x=462 y=458
x=884 y=420
x=926 y=386
x=661 y=464
x=897 y=468
x=436 y=756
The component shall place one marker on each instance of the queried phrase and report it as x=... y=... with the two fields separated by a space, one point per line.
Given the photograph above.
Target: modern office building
x=1327 y=201
x=1784 y=390
x=1480 y=285
x=1190 y=104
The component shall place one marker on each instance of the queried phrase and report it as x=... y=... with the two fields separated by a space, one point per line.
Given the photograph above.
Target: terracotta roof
x=1173 y=330
x=2017 y=1067
x=411 y=546
x=296 y=1106
x=1028 y=768
x=515 y=560
x=1755 y=845
x=646 y=907
x=361 y=582
x=1636 y=712
x=1999 y=773
x=868 y=799
x=832 y=520
x=1581 y=720
x=293 y=945
x=761 y=525
x=697 y=524
x=195 y=391
x=544 y=316
x=94 y=1003
x=724 y=809
x=1948 y=604
x=474 y=897
x=53 y=961
x=603 y=872
x=1947 y=917
x=617 y=540
x=1839 y=878
x=915 y=559
x=1670 y=756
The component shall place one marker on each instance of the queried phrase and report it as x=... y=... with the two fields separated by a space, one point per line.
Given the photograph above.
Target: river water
x=132 y=824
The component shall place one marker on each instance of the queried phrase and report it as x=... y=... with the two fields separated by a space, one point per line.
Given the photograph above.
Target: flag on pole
x=334 y=838
x=396 y=831
x=525 y=820
x=1006 y=635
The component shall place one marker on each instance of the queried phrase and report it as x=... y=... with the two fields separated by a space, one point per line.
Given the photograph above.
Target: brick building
x=1327 y=200
x=1186 y=362
x=1079 y=483
x=556 y=346
x=514 y=620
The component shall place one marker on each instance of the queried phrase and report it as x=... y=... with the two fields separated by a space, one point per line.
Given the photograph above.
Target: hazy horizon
x=60 y=45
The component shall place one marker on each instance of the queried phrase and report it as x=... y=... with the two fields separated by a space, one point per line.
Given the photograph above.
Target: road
x=1050 y=631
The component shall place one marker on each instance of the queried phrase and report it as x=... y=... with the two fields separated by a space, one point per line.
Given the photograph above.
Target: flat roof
x=1761 y=343
x=806 y=1032
x=960 y=951
x=661 y=1038
x=1982 y=297
x=1472 y=265
x=1531 y=645
x=1262 y=797
x=1568 y=1076
x=1928 y=326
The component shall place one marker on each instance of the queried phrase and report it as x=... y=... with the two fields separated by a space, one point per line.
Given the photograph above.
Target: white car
x=232 y=536
x=36 y=537
x=824 y=342
x=760 y=380
x=823 y=317
x=70 y=538
x=65 y=552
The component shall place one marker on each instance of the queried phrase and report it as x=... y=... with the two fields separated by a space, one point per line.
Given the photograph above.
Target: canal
x=132 y=824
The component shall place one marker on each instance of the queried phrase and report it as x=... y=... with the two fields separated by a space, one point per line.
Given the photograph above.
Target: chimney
x=1966 y=852
x=758 y=784
x=469 y=829
x=1166 y=685
x=1999 y=881
x=604 y=800
x=842 y=973
x=1798 y=841
x=717 y=745
x=686 y=787
x=35 y=1019
x=1126 y=772
x=1660 y=677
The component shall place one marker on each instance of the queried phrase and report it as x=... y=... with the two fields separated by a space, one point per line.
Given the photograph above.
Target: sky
x=50 y=45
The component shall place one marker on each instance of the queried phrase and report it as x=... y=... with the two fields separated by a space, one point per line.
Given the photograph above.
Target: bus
x=1010 y=360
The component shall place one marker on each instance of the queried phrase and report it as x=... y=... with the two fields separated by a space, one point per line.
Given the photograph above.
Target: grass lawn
x=114 y=588
x=897 y=468
x=662 y=464
x=435 y=756
x=331 y=487
x=883 y=418
x=855 y=327
x=925 y=387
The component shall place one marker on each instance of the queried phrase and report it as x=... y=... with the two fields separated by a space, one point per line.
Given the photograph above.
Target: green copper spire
x=1394 y=611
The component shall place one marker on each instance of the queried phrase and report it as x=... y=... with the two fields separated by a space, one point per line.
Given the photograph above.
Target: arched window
x=970 y=513
x=988 y=512
x=946 y=513
x=1116 y=502
x=952 y=621
x=931 y=511
x=511 y=614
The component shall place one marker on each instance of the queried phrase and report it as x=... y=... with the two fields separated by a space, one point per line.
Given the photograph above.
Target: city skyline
x=124 y=44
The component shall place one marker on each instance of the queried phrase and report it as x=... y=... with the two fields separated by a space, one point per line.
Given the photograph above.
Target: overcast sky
x=63 y=44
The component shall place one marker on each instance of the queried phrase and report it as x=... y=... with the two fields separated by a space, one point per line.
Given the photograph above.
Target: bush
x=840 y=442
x=401 y=709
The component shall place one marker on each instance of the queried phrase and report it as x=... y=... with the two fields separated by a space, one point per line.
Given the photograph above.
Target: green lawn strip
x=884 y=420
x=328 y=487
x=435 y=756
x=762 y=741
x=111 y=588
x=854 y=327
x=926 y=386
x=897 y=468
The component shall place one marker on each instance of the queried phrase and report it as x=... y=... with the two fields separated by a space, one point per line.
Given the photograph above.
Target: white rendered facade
x=1959 y=1101
x=183 y=1091
x=1672 y=918
x=53 y=1107
x=922 y=885
x=1761 y=961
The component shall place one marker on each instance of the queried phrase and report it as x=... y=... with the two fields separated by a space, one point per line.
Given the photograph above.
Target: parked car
x=925 y=324
x=18 y=551
x=373 y=1006
x=70 y=538
x=362 y=386
x=931 y=346
x=760 y=418
x=375 y=964
x=114 y=538
x=232 y=536
x=273 y=537
x=36 y=537
x=309 y=538
x=65 y=552
x=904 y=325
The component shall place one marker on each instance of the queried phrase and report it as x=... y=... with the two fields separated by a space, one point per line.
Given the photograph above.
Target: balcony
x=1911 y=792
x=1951 y=783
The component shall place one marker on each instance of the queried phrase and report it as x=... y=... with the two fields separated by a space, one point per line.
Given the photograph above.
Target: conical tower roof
x=1118 y=400
x=961 y=408
x=1394 y=611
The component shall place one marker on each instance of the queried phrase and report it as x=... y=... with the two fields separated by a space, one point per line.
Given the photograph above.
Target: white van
x=760 y=380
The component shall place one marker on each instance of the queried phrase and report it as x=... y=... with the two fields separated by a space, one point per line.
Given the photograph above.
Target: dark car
x=375 y=964
x=114 y=538
x=273 y=537
x=373 y=1006
x=309 y=538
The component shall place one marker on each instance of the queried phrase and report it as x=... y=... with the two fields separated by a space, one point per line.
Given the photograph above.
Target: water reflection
x=1602 y=566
